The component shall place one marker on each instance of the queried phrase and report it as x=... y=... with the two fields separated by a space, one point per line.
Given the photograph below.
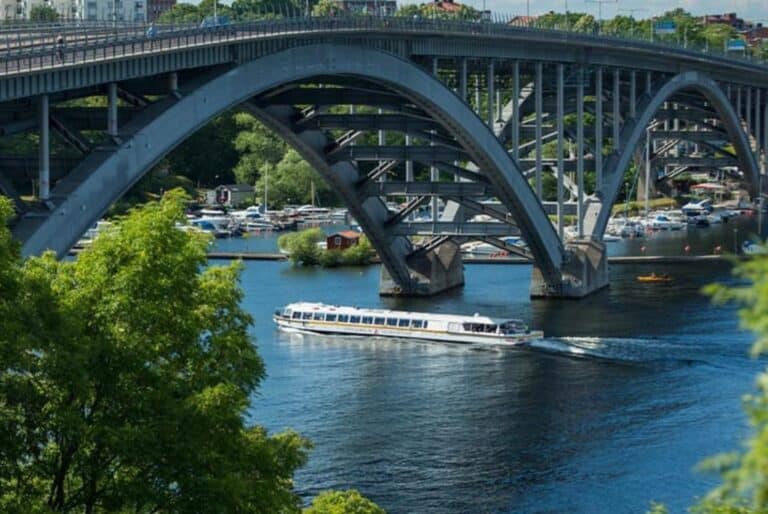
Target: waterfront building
x=342 y=240
x=230 y=195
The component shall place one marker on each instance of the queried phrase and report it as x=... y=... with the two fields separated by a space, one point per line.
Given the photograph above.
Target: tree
x=292 y=182
x=125 y=380
x=326 y=8
x=44 y=13
x=181 y=13
x=343 y=502
x=302 y=246
x=259 y=149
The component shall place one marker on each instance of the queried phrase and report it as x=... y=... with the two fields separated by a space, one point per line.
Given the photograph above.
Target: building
x=231 y=195
x=731 y=19
x=757 y=36
x=157 y=7
x=523 y=21
x=372 y=7
x=342 y=240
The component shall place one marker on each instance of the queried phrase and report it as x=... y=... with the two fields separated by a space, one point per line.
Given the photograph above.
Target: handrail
x=84 y=44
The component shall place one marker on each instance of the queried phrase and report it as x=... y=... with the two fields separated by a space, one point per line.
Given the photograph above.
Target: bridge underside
x=423 y=162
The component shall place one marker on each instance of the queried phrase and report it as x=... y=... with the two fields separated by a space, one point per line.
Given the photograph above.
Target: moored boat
x=332 y=319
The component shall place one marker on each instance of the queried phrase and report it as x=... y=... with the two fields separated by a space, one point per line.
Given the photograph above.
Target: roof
x=447 y=5
x=237 y=188
x=349 y=234
x=310 y=306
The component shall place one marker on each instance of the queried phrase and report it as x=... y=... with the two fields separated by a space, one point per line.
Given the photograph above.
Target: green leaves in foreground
x=744 y=487
x=342 y=502
x=126 y=375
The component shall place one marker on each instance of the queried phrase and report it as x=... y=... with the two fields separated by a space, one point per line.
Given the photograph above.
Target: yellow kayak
x=653 y=277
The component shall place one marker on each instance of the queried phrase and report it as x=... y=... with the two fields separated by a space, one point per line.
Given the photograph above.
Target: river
x=631 y=388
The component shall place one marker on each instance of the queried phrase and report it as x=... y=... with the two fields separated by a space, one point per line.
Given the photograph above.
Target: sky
x=754 y=10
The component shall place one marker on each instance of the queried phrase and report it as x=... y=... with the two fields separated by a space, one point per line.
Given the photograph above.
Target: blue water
x=629 y=391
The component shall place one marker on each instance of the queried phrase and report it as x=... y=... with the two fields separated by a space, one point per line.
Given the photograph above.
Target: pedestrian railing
x=36 y=47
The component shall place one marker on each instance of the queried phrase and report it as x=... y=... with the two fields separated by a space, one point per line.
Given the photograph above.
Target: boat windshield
x=486 y=328
x=513 y=327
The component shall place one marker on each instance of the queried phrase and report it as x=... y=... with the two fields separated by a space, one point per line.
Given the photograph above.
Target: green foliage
x=658 y=508
x=291 y=182
x=126 y=375
x=44 y=13
x=343 y=502
x=429 y=10
x=302 y=246
x=744 y=487
x=259 y=149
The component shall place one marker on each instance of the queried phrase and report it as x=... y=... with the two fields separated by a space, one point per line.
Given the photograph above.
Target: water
x=631 y=389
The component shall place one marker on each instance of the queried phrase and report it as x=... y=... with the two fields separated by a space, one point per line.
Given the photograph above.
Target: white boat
x=703 y=207
x=751 y=248
x=352 y=321
x=251 y=213
x=662 y=222
x=629 y=228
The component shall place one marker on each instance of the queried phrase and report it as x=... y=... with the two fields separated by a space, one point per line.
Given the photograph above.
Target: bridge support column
x=538 y=100
x=580 y=154
x=516 y=111
x=491 y=92
x=616 y=108
x=173 y=82
x=434 y=272
x=598 y=128
x=112 y=109
x=560 y=148
x=584 y=271
x=44 y=154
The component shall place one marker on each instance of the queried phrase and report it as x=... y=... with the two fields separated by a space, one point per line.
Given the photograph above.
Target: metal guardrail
x=90 y=44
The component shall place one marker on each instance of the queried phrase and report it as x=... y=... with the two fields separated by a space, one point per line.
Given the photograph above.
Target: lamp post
x=600 y=10
x=632 y=17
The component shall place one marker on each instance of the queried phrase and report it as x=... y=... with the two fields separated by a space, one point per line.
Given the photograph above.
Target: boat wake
x=620 y=350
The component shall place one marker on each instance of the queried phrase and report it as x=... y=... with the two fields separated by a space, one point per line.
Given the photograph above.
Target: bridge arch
x=633 y=133
x=104 y=176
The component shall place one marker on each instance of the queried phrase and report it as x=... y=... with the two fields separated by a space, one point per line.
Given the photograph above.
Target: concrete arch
x=84 y=195
x=633 y=133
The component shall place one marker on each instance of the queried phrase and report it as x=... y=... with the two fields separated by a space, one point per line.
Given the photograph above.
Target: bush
x=343 y=502
x=302 y=246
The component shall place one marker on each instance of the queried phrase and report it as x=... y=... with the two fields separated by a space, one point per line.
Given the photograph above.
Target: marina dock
x=624 y=259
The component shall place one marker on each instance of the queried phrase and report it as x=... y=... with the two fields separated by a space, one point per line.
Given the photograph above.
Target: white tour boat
x=333 y=319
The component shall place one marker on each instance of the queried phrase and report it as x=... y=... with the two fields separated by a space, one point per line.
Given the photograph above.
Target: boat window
x=368 y=320
x=416 y=323
x=403 y=322
x=330 y=317
x=343 y=318
x=318 y=316
x=425 y=324
x=296 y=315
x=378 y=321
x=354 y=319
x=392 y=322
x=306 y=315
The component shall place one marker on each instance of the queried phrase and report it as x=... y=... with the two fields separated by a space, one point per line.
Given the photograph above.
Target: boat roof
x=311 y=306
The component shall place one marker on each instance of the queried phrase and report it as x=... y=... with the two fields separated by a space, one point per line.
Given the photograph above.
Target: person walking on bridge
x=60 y=48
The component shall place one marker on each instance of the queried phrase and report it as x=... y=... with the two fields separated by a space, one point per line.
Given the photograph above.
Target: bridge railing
x=21 y=52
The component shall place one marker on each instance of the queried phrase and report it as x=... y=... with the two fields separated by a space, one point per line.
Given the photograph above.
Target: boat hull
x=329 y=328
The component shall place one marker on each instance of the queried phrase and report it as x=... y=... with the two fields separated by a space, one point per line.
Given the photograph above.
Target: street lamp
x=600 y=10
x=632 y=17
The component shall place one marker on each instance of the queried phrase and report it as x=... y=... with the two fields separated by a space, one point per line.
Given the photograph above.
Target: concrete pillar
x=633 y=94
x=516 y=110
x=539 y=97
x=477 y=95
x=648 y=83
x=491 y=92
x=112 y=109
x=580 y=156
x=173 y=82
x=598 y=127
x=738 y=102
x=616 y=109
x=560 y=148
x=382 y=139
x=434 y=272
x=44 y=154
x=728 y=92
x=463 y=79
x=434 y=173
x=758 y=125
x=749 y=112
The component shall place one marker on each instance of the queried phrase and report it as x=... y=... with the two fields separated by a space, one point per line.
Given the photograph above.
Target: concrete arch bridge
x=512 y=130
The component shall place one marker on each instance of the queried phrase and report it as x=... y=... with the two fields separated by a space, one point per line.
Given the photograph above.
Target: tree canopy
x=126 y=377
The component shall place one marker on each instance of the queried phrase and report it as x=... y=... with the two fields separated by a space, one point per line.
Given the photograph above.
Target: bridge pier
x=584 y=271
x=432 y=272
x=44 y=151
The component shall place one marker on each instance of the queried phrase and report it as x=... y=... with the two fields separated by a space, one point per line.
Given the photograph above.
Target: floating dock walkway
x=624 y=259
